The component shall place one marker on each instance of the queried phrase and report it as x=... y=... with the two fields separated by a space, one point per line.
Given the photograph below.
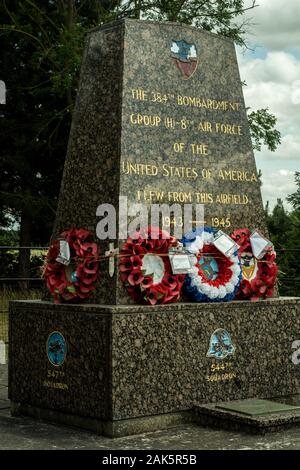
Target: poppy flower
x=125 y=264
x=90 y=267
x=53 y=279
x=89 y=279
x=270 y=291
x=133 y=241
x=85 y=289
x=245 y=287
x=88 y=249
x=147 y=282
x=82 y=234
x=135 y=277
x=170 y=281
x=152 y=296
x=62 y=287
x=149 y=245
x=161 y=288
x=241 y=237
x=136 y=262
x=139 y=250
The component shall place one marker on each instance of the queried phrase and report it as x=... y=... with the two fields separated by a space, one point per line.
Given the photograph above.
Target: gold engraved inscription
x=207 y=103
x=237 y=175
x=179 y=171
x=199 y=149
x=56 y=375
x=57 y=385
x=233 y=129
x=152 y=195
x=168 y=171
x=146 y=120
x=204 y=198
x=237 y=199
x=220 y=373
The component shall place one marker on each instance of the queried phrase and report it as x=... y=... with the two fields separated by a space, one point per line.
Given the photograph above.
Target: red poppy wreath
x=145 y=268
x=258 y=276
x=76 y=278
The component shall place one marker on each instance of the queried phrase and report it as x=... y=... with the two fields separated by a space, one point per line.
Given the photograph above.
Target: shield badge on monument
x=220 y=345
x=184 y=56
x=249 y=266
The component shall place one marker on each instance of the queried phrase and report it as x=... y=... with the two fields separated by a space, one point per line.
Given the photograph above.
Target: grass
x=7 y=294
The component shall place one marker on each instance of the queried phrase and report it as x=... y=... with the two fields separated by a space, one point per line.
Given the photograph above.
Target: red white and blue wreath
x=145 y=268
x=214 y=277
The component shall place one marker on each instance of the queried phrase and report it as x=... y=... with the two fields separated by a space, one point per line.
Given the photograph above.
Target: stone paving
x=25 y=433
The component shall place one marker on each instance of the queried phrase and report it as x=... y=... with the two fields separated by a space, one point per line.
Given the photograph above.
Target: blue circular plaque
x=56 y=348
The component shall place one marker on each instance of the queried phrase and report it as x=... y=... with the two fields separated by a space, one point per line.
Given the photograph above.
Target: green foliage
x=294 y=198
x=67 y=58
x=284 y=230
x=218 y=16
x=9 y=237
x=10 y=265
x=262 y=128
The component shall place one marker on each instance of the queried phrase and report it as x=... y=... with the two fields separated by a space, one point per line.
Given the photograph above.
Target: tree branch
x=12 y=29
x=42 y=13
x=176 y=13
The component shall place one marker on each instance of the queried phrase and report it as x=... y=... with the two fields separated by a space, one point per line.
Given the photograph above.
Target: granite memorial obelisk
x=159 y=118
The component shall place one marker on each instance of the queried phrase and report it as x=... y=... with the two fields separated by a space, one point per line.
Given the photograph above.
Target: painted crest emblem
x=249 y=266
x=184 y=56
x=220 y=345
x=56 y=348
x=209 y=267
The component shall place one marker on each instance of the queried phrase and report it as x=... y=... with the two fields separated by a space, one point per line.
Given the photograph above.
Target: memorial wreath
x=258 y=275
x=214 y=277
x=145 y=268
x=73 y=276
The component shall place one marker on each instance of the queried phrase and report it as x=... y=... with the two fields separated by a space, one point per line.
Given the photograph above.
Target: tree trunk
x=70 y=14
x=24 y=254
x=137 y=7
x=69 y=22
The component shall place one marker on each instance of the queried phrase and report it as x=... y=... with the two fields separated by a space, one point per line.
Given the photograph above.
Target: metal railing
x=7 y=248
x=12 y=281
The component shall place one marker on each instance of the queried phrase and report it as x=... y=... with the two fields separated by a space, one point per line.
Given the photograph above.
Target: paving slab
x=254 y=407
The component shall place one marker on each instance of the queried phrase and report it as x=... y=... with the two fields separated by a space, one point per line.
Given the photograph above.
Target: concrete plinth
x=130 y=369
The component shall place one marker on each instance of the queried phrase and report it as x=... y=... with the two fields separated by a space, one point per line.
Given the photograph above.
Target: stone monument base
x=131 y=369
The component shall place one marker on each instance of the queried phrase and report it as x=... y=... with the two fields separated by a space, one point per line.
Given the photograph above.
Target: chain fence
x=12 y=285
